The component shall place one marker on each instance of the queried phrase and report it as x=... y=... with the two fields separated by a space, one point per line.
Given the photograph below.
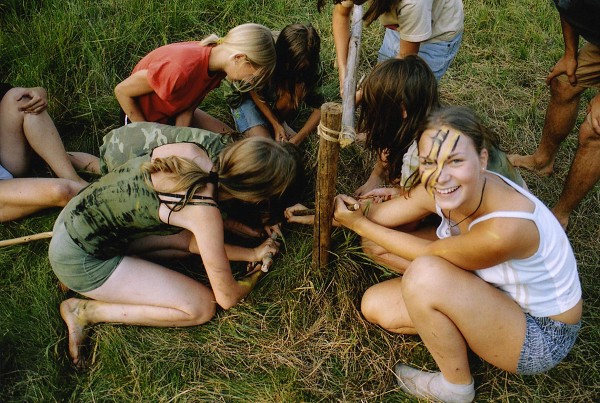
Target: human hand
x=593 y=116
x=296 y=214
x=566 y=65
x=264 y=254
x=273 y=231
x=279 y=133
x=33 y=100
x=380 y=195
x=347 y=211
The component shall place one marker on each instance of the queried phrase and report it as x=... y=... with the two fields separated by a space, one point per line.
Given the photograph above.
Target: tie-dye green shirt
x=118 y=208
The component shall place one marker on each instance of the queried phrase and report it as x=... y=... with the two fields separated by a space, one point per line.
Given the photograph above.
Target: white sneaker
x=432 y=385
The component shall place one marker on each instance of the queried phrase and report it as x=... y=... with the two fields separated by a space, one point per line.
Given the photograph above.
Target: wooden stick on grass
x=26 y=239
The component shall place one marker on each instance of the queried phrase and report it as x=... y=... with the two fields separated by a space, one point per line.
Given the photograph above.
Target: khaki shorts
x=73 y=266
x=588 y=67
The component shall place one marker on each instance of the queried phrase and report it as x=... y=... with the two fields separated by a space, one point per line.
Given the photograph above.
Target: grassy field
x=299 y=337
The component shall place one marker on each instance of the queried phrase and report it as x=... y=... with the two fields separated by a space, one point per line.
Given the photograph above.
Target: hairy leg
x=139 y=293
x=583 y=174
x=23 y=196
x=558 y=123
x=452 y=308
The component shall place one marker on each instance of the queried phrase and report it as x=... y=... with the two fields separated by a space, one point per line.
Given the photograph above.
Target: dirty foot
x=70 y=311
x=531 y=163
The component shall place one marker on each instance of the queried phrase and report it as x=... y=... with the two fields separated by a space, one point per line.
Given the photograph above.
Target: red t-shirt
x=178 y=74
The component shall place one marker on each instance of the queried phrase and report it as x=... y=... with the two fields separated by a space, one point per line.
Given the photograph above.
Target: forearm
x=571 y=39
x=240 y=254
x=184 y=119
x=341 y=37
x=265 y=109
x=408 y=48
x=309 y=126
x=130 y=107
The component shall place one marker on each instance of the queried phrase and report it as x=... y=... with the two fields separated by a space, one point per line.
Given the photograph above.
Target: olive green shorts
x=73 y=266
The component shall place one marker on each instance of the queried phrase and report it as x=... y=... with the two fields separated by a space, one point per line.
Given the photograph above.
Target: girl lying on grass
x=169 y=83
x=297 y=74
x=500 y=279
x=175 y=190
x=137 y=139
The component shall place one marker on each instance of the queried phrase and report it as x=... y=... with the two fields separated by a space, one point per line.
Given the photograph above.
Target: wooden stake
x=327 y=161
x=25 y=239
x=348 y=134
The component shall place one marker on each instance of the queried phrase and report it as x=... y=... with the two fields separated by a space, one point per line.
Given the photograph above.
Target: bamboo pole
x=25 y=239
x=348 y=134
x=327 y=161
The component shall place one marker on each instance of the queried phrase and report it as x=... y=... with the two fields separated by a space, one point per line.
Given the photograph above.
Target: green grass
x=299 y=336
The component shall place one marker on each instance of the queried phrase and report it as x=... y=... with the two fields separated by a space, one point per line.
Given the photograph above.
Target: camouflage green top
x=136 y=139
x=115 y=210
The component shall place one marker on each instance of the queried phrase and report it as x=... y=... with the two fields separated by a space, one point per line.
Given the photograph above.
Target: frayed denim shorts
x=247 y=115
x=547 y=342
x=437 y=55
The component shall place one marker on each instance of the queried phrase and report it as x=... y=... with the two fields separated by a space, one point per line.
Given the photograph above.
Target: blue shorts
x=437 y=55
x=247 y=115
x=4 y=174
x=547 y=342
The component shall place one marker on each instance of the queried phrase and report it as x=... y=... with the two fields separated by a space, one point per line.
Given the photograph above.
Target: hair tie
x=213 y=177
x=220 y=41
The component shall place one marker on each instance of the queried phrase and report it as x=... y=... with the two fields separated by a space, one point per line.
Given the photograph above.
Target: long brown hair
x=394 y=89
x=298 y=68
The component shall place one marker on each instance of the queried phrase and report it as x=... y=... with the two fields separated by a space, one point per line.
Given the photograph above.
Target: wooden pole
x=327 y=161
x=25 y=239
x=348 y=134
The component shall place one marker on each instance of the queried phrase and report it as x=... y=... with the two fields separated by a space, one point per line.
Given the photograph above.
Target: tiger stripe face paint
x=442 y=145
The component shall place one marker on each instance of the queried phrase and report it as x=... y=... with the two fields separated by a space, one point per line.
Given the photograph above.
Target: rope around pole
x=327 y=134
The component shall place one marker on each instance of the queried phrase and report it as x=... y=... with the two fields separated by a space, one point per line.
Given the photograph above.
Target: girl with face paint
x=500 y=277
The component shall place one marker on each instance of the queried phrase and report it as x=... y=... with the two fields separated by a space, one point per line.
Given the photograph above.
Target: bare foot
x=531 y=163
x=373 y=182
x=70 y=311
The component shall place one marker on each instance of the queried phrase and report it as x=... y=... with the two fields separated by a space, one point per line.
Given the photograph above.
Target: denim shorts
x=437 y=55
x=73 y=266
x=247 y=115
x=4 y=174
x=547 y=342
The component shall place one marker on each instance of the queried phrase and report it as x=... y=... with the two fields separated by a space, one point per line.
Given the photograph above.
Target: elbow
x=228 y=303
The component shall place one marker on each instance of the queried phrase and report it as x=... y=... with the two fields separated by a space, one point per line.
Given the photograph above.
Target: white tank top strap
x=503 y=214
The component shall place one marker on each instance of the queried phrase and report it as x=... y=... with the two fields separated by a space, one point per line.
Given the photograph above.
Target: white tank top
x=544 y=284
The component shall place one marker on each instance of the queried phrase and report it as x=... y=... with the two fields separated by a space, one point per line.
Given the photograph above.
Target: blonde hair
x=251 y=170
x=256 y=42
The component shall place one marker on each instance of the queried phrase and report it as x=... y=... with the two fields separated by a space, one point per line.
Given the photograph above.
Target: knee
x=564 y=92
x=201 y=312
x=588 y=137
x=61 y=191
x=424 y=279
x=371 y=306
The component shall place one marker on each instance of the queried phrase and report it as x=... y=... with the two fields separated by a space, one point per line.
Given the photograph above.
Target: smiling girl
x=501 y=279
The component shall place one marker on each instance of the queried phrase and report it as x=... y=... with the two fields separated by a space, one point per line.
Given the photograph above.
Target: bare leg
x=203 y=120
x=583 y=175
x=452 y=308
x=139 y=293
x=23 y=196
x=561 y=115
x=85 y=162
x=20 y=132
x=383 y=305
x=258 y=131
